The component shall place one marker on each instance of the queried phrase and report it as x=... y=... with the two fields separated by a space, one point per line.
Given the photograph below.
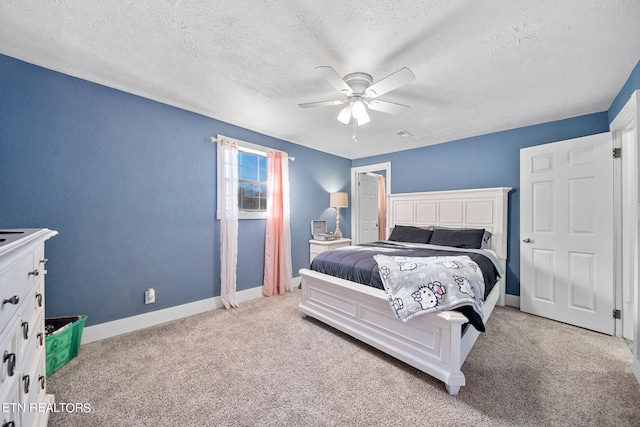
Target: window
x=252 y=183
x=251 y=179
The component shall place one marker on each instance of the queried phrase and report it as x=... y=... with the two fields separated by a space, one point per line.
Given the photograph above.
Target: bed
x=434 y=343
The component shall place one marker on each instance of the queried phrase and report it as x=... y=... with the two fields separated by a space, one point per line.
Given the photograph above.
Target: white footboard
x=432 y=343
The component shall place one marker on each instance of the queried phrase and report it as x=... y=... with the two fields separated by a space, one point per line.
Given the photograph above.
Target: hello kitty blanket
x=417 y=285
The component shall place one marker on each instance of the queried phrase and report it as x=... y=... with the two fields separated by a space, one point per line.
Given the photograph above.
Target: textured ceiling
x=480 y=66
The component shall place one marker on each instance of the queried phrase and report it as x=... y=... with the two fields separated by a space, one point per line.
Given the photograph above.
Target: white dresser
x=318 y=246
x=22 y=335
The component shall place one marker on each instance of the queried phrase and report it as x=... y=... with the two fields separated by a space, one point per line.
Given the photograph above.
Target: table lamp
x=338 y=200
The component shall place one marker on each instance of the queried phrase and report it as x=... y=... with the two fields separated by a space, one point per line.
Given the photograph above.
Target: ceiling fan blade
x=387 y=107
x=334 y=78
x=391 y=82
x=321 y=104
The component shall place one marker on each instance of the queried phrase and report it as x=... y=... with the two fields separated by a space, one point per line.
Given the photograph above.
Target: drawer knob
x=11 y=365
x=25 y=383
x=42 y=381
x=9 y=424
x=39 y=299
x=13 y=300
x=25 y=330
x=44 y=261
x=34 y=273
x=40 y=338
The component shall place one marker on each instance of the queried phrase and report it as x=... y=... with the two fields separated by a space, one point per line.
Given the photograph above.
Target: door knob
x=527 y=240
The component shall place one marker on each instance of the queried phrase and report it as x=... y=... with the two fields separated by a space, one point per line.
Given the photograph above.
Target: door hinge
x=617 y=314
x=617 y=153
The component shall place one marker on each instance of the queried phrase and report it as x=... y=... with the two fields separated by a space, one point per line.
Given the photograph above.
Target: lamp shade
x=358 y=110
x=345 y=115
x=339 y=200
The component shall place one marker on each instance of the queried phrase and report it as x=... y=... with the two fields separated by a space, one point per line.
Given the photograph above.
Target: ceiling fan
x=361 y=93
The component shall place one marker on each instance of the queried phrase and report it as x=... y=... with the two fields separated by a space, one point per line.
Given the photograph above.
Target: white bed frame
x=432 y=343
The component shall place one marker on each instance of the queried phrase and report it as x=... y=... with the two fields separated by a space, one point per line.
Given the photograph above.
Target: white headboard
x=476 y=208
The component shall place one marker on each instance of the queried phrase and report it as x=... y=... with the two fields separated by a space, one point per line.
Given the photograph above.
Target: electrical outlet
x=149 y=296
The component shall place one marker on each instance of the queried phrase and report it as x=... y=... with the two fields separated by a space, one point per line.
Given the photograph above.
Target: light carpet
x=264 y=365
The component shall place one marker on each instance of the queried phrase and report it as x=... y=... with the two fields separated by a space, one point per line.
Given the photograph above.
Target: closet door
x=566 y=231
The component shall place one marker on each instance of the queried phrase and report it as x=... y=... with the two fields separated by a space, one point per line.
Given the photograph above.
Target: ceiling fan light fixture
x=358 y=109
x=363 y=119
x=359 y=112
x=358 y=87
x=345 y=115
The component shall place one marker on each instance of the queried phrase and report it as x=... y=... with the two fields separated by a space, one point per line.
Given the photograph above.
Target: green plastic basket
x=64 y=345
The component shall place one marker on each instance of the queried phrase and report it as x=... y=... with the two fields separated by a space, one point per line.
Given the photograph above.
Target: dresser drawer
x=9 y=353
x=37 y=381
x=9 y=396
x=32 y=380
x=15 y=283
x=32 y=340
x=39 y=263
x=318 y=246
x=32 y=306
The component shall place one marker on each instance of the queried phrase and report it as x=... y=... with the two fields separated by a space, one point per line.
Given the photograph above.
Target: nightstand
x=317 y=246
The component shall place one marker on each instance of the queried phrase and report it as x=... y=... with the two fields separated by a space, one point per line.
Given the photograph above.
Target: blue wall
x=491 y=160
x=130 y=184
x=631 y=85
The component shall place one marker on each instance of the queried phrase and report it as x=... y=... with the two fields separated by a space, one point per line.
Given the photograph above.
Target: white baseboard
x=512 y=300
x=141 y=321
x=295 y=282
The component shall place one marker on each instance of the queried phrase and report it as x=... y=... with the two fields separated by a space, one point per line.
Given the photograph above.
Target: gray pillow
x=486 y=240
x=410 y=234
x=466 y=238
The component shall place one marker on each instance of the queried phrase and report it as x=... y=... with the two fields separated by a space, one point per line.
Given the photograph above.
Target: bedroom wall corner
x=631 y=84
x=130 y=185
x=485 y=161
x=512 y=301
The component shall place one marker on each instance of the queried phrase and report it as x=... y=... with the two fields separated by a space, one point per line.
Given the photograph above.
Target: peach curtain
x=382 y=209
x=277 y=251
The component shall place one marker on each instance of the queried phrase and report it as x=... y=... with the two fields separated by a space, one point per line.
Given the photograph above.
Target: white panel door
x=629 y=237
x=566 y=231
x=368 y=208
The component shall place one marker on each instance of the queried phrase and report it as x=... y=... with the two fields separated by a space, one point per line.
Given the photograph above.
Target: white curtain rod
x=214 y=140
